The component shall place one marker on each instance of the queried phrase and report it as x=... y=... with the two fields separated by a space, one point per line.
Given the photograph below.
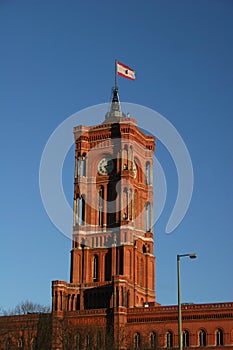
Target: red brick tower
x=112 y=260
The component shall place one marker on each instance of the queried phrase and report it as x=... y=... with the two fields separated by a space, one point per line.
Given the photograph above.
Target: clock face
x=105 y=166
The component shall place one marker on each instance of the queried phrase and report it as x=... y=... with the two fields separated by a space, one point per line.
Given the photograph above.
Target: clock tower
x=112 y=256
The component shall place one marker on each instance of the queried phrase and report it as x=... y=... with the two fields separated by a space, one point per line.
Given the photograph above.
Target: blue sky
x=57 y=57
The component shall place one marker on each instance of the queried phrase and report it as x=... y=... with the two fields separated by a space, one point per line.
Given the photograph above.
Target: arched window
x=75 y=212
x=77 y=166
x=67 y=341
x=20 y=344
x=83 y=165
x=148 y=173
x=135 y=205
x=185 y=338
x=153 y=340
x=136 y=341
x=219 y=337
x=141 y=276
x=131 y=157
x=125 y=158
x=33 y=344
x=127 y=293
x=81 y=210
x=202 y=337
x=95 y=268
x=148 y=217
x=87 y=340
x=98 y=340
x=101 y=207
x=138 y=270
x=78 y=341
x=8 y=344
x=111 y=204
x=125 y=204
x=130 y=199
x=55 y=302
x=129 y=265
x=138 y=171
x=108 y=265
x=169 y=339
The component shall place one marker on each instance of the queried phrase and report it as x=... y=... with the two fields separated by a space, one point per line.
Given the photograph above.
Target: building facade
x=110 y=301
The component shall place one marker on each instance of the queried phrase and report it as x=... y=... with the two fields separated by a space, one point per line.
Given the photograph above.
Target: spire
x=115 y=113
x=115 y=105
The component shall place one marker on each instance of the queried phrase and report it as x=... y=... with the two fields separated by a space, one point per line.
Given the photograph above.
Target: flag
x=125 y=71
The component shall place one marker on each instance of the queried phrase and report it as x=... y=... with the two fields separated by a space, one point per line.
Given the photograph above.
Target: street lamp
x=191 y=256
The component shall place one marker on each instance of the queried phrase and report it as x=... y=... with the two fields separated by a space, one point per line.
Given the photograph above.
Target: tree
x=26 y=307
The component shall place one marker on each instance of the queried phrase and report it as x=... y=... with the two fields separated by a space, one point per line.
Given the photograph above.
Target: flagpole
x=115 y=80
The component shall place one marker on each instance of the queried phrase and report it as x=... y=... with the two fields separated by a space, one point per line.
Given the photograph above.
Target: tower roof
x=115 y=113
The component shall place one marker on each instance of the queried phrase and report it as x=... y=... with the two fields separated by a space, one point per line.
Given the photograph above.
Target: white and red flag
x=125 y=71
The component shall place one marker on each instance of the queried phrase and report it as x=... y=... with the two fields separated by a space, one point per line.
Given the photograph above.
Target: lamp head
x=192 y=256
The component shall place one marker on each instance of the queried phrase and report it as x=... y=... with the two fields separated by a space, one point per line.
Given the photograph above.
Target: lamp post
x=191 y=256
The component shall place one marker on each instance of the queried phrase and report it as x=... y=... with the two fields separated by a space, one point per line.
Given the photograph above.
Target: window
x=148 y=217
x=80 y=165
x=125 y=158
x=141 y=275
x=77 y=306
x=95 y=268
x=202 y=337
x=67 y=341
x=127 y=298
x=108 y=264
x=136 y=341
x=186 y=339
x=169 y=339
x=78 y=341
x=33 y=344
x=153 y=340
x=135 y=204
x=55 y=302
x=77 y=167
x=98 y=340
x=130 y=198
x=100 y=200
x=33 y=347
x=111 y=204
x=88 y=343
x=148 y=174
x=8 y=344
x=83 y=165
x=20 y=343
x=219 y=337
x=131 y=157
x=81 y=210
x=125 y=204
